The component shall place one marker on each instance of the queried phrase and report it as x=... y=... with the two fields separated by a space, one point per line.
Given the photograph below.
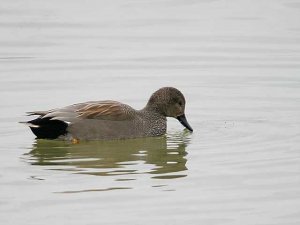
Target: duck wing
x=100 y=110
x=105 y=110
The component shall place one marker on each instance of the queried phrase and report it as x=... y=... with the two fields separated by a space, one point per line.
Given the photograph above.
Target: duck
x=109 y=120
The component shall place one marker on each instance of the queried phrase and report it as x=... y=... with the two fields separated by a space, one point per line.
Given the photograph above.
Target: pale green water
x=238 y=64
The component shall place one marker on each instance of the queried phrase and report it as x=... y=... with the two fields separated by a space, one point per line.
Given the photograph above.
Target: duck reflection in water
x=164 y=157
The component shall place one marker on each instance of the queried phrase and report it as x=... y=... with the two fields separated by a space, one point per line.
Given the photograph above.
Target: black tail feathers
x=45 y=128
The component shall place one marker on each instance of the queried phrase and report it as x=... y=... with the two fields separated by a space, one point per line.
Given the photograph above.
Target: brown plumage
x=108 y=110
x=108 y=119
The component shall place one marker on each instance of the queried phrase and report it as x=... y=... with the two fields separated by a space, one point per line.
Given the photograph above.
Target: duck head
x=169 y=102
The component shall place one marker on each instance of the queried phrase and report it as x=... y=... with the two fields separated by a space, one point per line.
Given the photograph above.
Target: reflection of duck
x=161 y=156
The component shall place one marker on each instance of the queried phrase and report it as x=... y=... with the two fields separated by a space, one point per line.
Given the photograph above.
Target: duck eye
x=180 y=103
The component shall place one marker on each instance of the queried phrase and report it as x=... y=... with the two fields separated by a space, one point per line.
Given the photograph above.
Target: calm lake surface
x=238 y=65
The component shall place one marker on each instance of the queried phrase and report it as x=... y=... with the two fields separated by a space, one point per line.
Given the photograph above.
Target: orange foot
x=75 y=141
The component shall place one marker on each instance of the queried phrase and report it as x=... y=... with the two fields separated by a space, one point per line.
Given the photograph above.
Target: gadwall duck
x=104 y=120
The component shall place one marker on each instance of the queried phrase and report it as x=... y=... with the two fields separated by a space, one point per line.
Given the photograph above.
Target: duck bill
x=184 y=122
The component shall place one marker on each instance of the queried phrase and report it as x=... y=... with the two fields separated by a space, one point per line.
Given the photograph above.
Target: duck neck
x=155 y=122
x=154 y=110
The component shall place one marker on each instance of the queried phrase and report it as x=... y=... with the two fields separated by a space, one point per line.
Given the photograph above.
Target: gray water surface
x=238 y=65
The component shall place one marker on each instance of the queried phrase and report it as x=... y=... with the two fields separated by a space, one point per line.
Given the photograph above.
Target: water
x=237 y=62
